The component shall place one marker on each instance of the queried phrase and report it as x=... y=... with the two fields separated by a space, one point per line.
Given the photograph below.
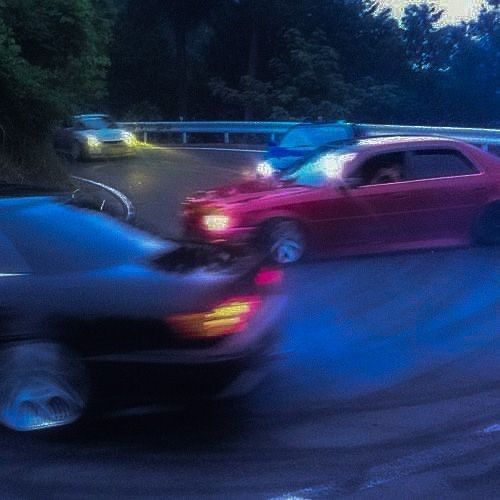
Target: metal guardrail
x=202 y=127
x=479 y=136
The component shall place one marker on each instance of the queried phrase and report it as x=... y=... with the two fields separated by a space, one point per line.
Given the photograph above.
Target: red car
x=378 y=194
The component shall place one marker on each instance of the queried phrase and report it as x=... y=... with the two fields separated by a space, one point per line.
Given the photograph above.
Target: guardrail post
x=145 y=137
x=184 y=137
x=226 y=137
x=273 y=137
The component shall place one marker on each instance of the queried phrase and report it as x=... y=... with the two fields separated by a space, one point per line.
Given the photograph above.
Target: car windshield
x=322 y=168
x=97 y=122
x=313 y=135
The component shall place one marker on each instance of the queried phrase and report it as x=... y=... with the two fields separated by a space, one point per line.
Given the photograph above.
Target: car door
x=334 y=218
x=447 y=192
x=373 y=212
x=380 y=203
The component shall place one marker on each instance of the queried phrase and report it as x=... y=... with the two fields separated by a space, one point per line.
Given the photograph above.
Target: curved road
x=388 y=382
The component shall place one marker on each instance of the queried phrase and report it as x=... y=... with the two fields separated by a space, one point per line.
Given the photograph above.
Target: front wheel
x=285 y=242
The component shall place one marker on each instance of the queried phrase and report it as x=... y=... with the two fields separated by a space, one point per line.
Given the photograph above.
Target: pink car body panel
x=407 y=214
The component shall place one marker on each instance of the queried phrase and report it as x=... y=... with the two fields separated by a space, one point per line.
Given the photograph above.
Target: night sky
x=455 y=10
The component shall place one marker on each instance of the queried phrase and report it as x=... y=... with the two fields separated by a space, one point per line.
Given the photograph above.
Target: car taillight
x=230 y=316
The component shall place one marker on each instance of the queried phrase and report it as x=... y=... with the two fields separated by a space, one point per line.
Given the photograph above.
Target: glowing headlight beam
x=264 y=169
x=93 y=141
x=216 y=222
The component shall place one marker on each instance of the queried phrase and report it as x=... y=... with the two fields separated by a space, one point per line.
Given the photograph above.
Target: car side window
x=381 y=169
x=11 y=261
x=428 y=164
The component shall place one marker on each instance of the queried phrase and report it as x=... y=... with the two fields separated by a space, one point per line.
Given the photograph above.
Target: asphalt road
x=388 y=384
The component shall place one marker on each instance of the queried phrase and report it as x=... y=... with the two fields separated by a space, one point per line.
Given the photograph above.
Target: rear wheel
x=487 y=230
x=41 y=386
x=285 y=241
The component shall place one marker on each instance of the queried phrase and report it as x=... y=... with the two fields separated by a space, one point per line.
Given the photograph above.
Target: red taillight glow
x=267 y=276
x=231 y=316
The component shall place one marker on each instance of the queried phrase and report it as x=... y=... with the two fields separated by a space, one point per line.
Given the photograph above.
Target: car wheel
x=77 y=153
x=286 y=242
x=41 y=387
x=487 y=230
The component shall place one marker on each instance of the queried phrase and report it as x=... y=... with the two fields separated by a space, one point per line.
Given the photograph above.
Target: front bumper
x=233 y=236
x=110 y=150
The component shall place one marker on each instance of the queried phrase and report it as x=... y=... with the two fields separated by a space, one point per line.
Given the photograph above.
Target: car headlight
x=128 y=138
x=93 y=141
x=264 y=169
x=216 y=222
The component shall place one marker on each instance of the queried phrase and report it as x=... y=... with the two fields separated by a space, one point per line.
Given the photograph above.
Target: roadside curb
x=129 y=206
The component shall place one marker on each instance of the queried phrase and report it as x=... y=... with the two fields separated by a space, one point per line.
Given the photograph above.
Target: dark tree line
x=276 y=59
x=239 y=59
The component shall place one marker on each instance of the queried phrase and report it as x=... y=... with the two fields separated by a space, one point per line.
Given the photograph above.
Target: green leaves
x=52 y=59
x=307 y=84
x=52 y=62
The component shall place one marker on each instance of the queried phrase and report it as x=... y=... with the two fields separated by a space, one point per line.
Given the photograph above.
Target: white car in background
x=94 y=136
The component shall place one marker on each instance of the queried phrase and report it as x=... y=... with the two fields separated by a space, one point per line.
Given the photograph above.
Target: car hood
x=53 y=237
x=105 y=134
x=281 y=158
x=245 y=192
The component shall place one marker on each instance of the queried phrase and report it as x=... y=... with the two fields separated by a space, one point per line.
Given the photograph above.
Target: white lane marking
x=403 y=467
x=129 y=206
x=308 y=493
x=8 y=275
x=417 y=462
x=234 y=150
x=491 y=428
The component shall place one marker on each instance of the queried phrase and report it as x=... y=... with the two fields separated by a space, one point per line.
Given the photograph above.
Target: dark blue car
x=301 y=140
x=92 y=310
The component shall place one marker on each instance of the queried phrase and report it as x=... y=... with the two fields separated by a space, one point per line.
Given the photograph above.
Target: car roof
x=406 y=140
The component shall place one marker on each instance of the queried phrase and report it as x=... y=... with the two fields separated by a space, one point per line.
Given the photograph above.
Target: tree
x=307 y=84
x=185 y=15
x=421 y=35
x=52 y=60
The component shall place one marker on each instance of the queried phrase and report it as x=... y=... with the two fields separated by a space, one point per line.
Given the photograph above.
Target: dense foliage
x=52 y=61
x=267 y=59
x=240 y=59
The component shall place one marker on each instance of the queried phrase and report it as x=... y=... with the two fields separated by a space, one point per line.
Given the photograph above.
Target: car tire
x=285 y=241
x=41 y=387
x=487 y=229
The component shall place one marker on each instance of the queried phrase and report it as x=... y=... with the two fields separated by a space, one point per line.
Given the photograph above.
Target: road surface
x=387 y=384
